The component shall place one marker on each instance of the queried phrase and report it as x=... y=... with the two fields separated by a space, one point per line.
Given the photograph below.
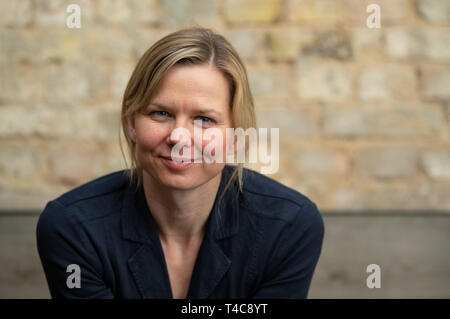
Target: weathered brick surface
x=252 y=11
x=416 y=196
x=363 y=113
x=19 y=162
x=372 y=121
x=72 y=166
x=330 y=44
x=434 y=11
x=290 y=121
x=387 y=162
x=367 y=44
x=38 y=121
x=316 y=11
x=16 y=13
x=436 y=163
x=177 y=13
x=435 y=82
x=388 y=82
x=317 y=161
x=323 y=82
x=418 y=44
x=53 y=13
x=392 y=12
x=120 y=74
x=270 y=82
x=247 y=42
x=114 y=11
x=284 y=44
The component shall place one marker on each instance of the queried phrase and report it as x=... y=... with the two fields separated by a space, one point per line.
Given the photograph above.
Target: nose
x=181 y=132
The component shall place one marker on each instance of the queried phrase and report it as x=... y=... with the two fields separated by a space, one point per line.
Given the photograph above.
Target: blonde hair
x=191 y=46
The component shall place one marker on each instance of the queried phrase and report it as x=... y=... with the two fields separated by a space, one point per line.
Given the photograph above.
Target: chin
x=179 y=182
x=190 y=178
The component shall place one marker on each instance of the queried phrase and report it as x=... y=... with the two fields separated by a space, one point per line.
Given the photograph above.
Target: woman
x=172 y=226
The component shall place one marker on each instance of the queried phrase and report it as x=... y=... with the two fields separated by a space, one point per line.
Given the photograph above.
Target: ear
x=132 y=128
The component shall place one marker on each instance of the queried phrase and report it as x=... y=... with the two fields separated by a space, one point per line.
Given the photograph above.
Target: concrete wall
x=411 y=249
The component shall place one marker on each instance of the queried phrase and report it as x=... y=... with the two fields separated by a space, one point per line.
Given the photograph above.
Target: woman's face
x=197 y=93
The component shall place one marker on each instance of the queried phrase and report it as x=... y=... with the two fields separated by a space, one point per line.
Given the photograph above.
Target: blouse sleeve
x=61 y=242
x=295 y=258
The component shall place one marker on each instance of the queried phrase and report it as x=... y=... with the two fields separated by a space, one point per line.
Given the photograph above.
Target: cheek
x=214 y=144
x=150 y=135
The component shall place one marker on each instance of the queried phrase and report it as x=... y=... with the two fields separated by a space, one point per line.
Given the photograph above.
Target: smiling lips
x=177 y=165
x=178 y=159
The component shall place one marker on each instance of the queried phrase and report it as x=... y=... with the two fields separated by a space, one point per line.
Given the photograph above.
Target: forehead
x=193 y=85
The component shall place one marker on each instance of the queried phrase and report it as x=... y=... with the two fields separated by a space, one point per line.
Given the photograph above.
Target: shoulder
x=288 y=226
x=94 y=199
x=96 y=188
x=269 y=199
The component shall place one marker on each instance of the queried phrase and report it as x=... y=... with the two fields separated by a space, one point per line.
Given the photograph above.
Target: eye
x=160 y=113
x=205 y=119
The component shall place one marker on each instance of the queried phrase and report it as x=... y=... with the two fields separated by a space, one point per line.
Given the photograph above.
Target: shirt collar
x=138 y=223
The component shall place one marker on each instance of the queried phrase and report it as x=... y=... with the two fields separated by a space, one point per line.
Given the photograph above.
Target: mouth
x=178 y=159
x=177 y=164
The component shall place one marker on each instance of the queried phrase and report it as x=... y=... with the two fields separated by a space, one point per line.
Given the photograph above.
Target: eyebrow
x=200 y=111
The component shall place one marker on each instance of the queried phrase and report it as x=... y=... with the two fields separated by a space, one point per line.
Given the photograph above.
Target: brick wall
x=363 y=113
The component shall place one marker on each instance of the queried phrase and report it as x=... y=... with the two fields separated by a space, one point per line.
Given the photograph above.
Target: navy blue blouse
x=261 y=243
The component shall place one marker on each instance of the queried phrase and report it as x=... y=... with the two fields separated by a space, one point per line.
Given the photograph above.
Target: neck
x=180 y=214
